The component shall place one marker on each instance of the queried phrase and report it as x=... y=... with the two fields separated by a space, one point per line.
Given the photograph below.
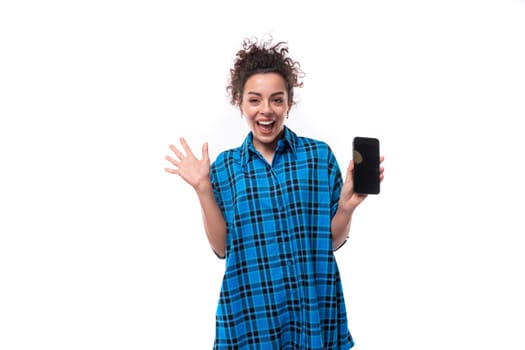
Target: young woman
x=275 y=208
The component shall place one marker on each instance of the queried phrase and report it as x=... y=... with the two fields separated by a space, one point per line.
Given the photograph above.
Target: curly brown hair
x=261 y=56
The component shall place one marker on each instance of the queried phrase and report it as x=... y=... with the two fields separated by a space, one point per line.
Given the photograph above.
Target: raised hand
x=349 y=199
x=194 y=171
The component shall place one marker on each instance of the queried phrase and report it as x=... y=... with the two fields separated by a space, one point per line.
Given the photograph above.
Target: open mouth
x=266 y=126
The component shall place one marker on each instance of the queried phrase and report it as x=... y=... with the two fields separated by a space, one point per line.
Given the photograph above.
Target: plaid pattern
x=281 y=288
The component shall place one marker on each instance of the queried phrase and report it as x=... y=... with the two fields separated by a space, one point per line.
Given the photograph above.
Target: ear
x=290 y=104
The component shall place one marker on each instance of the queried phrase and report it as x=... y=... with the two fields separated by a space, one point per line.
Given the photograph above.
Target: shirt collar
x=289 y=140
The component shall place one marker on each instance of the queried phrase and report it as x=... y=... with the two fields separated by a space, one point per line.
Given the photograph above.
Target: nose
x=266 y=108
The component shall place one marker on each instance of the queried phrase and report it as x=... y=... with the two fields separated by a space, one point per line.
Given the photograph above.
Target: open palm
x=194 y=171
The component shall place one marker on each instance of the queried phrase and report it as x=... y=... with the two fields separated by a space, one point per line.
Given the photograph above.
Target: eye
x=278 y=100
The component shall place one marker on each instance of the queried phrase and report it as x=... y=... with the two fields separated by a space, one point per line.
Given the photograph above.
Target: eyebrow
x=259 y=94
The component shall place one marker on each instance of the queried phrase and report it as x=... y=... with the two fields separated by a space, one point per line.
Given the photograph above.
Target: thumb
x=205 y=154
x=349 y=171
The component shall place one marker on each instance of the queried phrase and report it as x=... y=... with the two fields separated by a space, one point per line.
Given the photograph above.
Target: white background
x=101 y=249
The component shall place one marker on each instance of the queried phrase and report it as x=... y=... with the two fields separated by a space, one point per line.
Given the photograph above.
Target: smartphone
x=366 y=165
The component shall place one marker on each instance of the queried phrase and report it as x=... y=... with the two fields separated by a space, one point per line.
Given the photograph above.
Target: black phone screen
x=366 y=165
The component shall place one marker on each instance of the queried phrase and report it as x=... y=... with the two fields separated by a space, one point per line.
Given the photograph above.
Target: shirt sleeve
x=335 y=180
x=215 y=184
x=214 y=179
x=336 y=184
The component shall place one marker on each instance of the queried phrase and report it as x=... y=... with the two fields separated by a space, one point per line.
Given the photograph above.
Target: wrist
x=203 y=187
x=345 y=208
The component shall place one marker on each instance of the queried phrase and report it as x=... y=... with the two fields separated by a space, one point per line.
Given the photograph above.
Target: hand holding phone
x=366 y=165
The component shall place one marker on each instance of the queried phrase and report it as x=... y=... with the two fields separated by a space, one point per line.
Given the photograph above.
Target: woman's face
x=265 y=107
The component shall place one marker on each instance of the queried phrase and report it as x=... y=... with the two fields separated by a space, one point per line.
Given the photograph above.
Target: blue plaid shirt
x=281 y=288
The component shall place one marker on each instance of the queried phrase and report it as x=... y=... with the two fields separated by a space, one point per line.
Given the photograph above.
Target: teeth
x=266 y=123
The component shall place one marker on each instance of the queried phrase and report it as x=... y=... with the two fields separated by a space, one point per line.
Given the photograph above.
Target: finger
x=177 y=152
x=381 y=159
x=173 y=161
x=171 y=171
x=187 y=148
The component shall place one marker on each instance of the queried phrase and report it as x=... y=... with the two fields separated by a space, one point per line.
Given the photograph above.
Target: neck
x=267 y=150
